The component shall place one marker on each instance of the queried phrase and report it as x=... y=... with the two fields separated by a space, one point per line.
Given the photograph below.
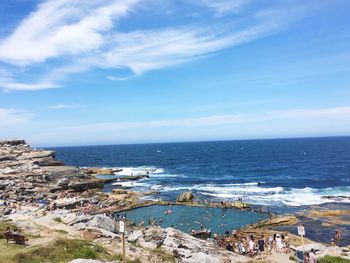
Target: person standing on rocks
x=337 y=236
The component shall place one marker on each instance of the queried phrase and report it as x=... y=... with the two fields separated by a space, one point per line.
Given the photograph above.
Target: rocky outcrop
x=103 y=222
x=104 y=171
x=182 y=246
x=29 y=175
x=282 y=221
x=185 y=197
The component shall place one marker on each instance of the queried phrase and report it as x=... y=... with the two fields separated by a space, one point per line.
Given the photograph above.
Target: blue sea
x=277 y=172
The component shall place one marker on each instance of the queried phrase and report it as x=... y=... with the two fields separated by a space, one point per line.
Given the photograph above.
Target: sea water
x=275 y=172
x=185 y=218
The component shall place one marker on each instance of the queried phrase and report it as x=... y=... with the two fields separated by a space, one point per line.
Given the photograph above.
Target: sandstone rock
x=119 y=191
x=151 y=193
x=105 y=171
x=185 y=197
x=91 y=234
x=284 y=220
x=5 y=210
x=82 y=186
x=183 y=246
x=90 y=261
x=63 y=182
x=12 y=142
x=103 y=222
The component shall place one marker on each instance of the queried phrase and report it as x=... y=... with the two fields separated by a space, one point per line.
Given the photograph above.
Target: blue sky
x=76 y=72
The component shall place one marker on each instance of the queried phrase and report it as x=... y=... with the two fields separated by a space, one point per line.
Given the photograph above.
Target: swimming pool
x=186 y=218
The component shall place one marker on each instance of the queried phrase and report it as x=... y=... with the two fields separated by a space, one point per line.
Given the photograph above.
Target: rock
x=91 y=234
x=82 y=186
x=103 y=222
x=12 y=142
x=240 y=205
x=96 y=170
x=183 y=246
x=7 y=158
x=119 y=191
x=185 y=197
x=48 y=162
x=5 y=210
x=151 y=193
x=63 y=182
x=284 y=220
x=90 y=261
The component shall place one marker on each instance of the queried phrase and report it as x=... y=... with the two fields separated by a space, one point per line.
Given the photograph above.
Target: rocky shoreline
x=44 y=197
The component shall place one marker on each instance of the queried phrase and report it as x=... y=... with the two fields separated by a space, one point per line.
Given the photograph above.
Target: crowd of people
x=251 y=245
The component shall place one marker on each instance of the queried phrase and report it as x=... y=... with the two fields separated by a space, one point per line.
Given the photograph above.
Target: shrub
x=329 y=259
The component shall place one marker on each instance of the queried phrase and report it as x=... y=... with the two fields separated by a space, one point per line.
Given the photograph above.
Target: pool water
x=186 y=218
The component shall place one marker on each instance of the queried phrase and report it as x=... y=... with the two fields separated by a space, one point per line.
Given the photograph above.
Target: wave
x=140 y=183
x=140 y=170
x=257 y=194
x=290 y=197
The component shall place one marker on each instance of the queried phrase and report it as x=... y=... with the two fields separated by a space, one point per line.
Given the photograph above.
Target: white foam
x=141 y=170
x=291 y=197
x=253 y=193
x=131 y=183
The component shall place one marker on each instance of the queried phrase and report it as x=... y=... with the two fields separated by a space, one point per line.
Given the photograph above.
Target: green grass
x=64 y=250
x=329 y=259
x=163 y=255
x=61 y=231
x=57 y=219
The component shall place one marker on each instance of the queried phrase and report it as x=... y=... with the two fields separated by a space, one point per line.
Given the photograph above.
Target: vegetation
x=163 y=255
x=61 y=250
x=57 y=219
x=329 y=259
x=61 y=231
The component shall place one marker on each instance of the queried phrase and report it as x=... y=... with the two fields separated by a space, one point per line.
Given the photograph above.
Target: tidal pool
x=186 y=218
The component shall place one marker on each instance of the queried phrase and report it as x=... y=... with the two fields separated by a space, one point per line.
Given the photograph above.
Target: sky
x=77 y=72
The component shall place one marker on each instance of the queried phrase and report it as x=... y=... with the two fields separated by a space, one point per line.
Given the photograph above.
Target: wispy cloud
x=64 y=106
x=83 y=35
x=306 y=117
x=11 y=117
x=221 y=7
x=62 y=27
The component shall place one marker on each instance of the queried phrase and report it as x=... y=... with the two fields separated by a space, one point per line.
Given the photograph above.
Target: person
x=15 y=231
x=279 y=244
x=312 y=256
x=229 y=246
x=286 y=240
x=8 y=230
x=337 y=235
x=234 y=232
x=261 y=244
x=251 y=244
x=241 y=247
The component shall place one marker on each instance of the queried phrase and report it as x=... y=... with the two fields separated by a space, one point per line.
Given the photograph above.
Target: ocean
x=276 y=172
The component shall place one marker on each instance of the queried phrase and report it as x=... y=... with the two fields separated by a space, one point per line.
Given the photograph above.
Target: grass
x=61 y=231
x=163 y=255
x=329 y=259
x=57 y=219
x=59 y=251
x=63 y=250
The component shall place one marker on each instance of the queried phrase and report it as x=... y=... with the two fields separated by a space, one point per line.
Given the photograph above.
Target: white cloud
x=12 y=85
x=82 y=35
x=10 y=117
x=62 y=27
x=65 y=106
x=222 y=7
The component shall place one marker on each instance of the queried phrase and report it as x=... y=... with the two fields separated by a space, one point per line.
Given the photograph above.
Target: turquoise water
x=185 y=218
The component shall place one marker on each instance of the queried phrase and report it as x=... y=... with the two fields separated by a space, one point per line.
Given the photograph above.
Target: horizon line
x=193 y=141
